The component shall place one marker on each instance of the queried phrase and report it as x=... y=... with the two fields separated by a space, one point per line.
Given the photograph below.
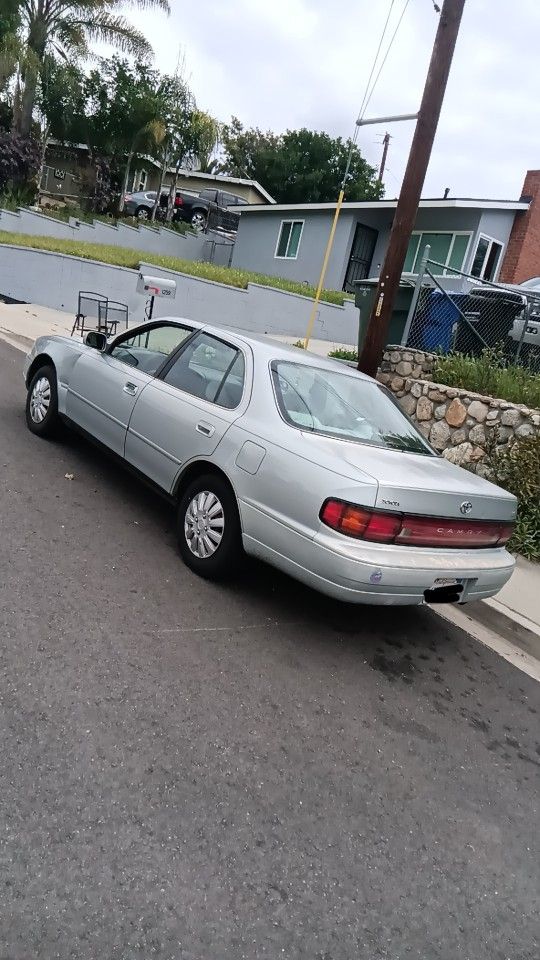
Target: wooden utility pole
x=386 y=144
x=413 y=182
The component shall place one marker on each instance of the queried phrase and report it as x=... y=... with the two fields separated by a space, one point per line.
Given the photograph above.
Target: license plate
x=446 y=582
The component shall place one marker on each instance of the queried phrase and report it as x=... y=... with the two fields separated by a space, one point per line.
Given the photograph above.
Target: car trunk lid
x=420 y=485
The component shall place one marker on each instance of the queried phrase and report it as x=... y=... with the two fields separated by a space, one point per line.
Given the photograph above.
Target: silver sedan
x=277 y=453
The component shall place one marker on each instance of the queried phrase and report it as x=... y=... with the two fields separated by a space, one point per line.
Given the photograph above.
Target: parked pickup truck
x=512 y=300
x=197 y=209
x=192 y=207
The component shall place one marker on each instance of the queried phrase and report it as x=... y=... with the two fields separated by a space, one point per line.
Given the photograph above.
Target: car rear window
x=344 y=406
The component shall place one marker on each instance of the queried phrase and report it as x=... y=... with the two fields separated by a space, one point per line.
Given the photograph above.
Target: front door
x=187 y=409
x=362 y=251
x=104 y=387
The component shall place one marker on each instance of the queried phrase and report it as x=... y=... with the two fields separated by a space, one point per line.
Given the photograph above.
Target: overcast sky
x=280 y=64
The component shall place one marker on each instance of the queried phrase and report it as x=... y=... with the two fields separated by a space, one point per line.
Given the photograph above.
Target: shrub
x=343 y=354
x=516 y=468
x=124 y=257
x=20 y=158
x=490 y=375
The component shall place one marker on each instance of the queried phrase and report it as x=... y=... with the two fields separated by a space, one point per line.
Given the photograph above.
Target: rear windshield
x=340 y=405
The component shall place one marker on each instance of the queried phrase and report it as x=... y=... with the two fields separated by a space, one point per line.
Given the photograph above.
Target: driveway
x=201 y=772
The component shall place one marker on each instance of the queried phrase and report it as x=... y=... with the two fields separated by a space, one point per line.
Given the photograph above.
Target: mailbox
x=156 y=286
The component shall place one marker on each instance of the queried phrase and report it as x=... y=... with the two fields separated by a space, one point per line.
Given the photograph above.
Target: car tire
x=209 y=531
x=142 y=213
x=198 y=219
x=42 y=417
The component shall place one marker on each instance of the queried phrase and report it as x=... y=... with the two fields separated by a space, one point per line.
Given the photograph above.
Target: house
x=473 y=236
x=69 y=175
x=522 y=258
x=193 y=181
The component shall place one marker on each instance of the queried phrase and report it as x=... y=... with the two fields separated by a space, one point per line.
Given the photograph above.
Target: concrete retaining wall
x=160 y=240
x=54 y=280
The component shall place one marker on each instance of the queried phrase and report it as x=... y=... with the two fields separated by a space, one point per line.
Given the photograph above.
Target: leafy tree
x=10 y=51
x=64 y=28
x=206 y=134
x=19 y=165
x=299 y=166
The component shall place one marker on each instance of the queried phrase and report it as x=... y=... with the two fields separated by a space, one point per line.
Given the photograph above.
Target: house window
x=447 y=249
x=290 y=233
x=140 y=181
x=486 y=258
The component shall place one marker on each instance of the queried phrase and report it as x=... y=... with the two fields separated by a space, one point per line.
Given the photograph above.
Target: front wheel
x=209 y=533
x=42 y=403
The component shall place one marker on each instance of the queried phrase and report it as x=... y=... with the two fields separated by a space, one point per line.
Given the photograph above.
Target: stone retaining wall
x=460 y=424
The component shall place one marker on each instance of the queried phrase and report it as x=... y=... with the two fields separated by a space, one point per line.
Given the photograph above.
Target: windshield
x=340 y=405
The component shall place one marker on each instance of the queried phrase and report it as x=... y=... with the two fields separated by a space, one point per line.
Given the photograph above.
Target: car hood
x=412 y=483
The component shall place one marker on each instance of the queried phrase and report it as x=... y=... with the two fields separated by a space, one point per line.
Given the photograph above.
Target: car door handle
x=130 y=388
x=205 y=428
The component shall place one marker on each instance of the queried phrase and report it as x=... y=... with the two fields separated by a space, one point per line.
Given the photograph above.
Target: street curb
x=506 y=626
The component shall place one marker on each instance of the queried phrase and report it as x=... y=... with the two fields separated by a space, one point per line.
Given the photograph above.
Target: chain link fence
x=452 y=311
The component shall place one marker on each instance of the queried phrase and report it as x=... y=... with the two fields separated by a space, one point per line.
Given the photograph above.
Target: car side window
x=210 y=369
x=149 y=348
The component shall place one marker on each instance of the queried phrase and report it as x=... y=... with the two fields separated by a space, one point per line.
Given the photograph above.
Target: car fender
x=63 y=352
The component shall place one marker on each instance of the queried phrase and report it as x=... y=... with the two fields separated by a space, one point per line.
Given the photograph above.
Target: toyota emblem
x=465 y=507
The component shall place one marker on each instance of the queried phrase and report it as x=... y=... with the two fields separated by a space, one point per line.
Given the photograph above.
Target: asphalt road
x=200 y=772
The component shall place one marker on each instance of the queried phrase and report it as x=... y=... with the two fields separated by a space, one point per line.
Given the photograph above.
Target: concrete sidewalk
x=22 y=323
x=514 y=614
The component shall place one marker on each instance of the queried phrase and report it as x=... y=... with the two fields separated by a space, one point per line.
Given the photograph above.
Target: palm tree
x=66 y=28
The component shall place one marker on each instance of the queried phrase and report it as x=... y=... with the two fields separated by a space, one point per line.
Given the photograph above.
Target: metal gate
x=361 y=256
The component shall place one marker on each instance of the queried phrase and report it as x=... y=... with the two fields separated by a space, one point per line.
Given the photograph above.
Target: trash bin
x=491 y=312
x=441 y=314
x=365 y=299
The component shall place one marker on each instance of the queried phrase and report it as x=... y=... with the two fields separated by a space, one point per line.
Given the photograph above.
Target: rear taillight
x=178 y=202
x=412 y=531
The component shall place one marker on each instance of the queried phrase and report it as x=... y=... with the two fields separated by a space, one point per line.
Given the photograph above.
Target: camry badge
x=465 y=507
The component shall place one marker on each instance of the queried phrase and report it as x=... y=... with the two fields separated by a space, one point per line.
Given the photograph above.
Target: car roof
x=271 y=349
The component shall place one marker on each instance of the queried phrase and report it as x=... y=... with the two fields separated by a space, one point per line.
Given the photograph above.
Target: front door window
x=149 y=348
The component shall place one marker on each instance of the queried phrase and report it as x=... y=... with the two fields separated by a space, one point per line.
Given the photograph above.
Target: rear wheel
x=42 y=403
x=198 y=219
x=142 y=213
x=209 y=533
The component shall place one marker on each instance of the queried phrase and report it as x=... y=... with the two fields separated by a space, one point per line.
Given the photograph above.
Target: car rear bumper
x=378 y=574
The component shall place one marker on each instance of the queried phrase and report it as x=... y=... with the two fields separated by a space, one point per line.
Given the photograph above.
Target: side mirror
x=96 y=339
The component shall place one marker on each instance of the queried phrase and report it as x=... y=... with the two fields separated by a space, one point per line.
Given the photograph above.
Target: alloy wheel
x=40 y=400
x=204 y=524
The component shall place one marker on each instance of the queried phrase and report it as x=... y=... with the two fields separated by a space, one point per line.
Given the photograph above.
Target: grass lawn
x=123 y=257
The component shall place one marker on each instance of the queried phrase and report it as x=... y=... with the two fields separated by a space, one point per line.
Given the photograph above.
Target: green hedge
x=123 y=257
x=516 y=468
x=489 y=375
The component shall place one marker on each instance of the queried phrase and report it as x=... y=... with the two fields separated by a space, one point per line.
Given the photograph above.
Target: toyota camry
x=274 y=452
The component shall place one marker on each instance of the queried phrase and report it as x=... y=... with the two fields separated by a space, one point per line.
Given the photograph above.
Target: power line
x=375 y=61
x=385 y=58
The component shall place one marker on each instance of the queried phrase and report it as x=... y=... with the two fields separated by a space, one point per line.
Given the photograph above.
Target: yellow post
x=320 y=284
